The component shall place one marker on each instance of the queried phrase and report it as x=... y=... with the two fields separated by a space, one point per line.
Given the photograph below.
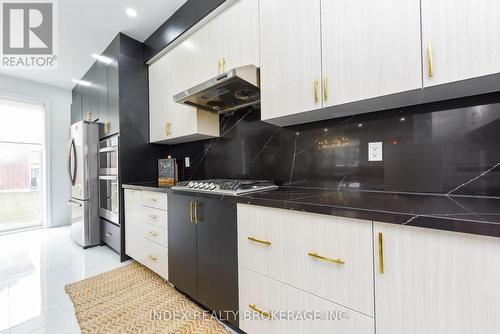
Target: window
x=21 y=152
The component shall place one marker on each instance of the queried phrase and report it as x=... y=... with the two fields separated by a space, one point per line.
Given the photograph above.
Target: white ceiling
x=88 y=26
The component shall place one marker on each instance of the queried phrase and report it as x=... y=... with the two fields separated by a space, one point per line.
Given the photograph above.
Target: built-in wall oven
x=109 y=194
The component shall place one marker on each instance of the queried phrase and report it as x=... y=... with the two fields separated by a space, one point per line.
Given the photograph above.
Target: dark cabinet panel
x=217 y=256
x=86 y=102
x=76 y=105
x=113 y=98
x=203 y=251
x=182 y=245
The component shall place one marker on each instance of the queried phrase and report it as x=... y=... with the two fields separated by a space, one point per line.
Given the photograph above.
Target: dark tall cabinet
x=203 y=250
x=118 y=99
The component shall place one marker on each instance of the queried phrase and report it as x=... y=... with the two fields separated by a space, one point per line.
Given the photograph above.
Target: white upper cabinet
x=369 y=49
x=158 y=100
x=460 y=39
x=240 y=34
x=229 y=40
x=290 y=57
x=435 y=281
x=171 y=122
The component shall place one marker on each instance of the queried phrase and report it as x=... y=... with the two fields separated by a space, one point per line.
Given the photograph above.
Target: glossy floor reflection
x=34 y=268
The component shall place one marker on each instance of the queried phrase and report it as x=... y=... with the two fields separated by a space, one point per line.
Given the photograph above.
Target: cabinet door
x=290 y=57
x=240 y=34
x=202 y=53
x=370 y=49
x=268 y=295
x=132 y=200
x=86 y=101
x=113 y=95
x=102 y=97
x=181 y=245
x=158 y=95
x=464 y=37
x=76 y=105
x=217 y=255
x=93 y=93
x=436 y=282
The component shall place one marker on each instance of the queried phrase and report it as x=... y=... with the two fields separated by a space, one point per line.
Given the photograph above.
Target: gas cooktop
x=226 y=186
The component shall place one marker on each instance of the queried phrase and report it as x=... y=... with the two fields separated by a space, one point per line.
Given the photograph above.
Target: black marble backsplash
x=450 y=147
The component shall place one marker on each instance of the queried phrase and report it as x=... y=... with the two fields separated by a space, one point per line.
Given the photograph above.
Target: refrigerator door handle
x=72 y=175
x=69 y=160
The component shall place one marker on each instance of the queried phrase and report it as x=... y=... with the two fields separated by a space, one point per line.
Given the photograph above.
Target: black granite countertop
x=467 y=214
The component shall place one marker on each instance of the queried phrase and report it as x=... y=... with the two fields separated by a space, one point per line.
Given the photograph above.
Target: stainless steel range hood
x=235 y=89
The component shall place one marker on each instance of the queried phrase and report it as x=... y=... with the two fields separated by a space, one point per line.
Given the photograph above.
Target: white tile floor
x=34 y=268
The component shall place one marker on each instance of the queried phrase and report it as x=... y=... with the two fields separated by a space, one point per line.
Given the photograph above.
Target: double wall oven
x=109 y=194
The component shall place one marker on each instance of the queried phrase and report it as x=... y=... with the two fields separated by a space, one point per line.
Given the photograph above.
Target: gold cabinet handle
x=264 y=313
x=197 y=218
x=108 y=234
x=191 y=211
x=153 y=216
x=264 y=242
x=219 y=68
x=325 y=88
x=152 y=199
x=152 y=257
x=223 y=65
x=431 y=60
x=154 y=234
x=381 y=252
x=316 y=94
x=106 y=127
x=317 y=256
x=168 y=129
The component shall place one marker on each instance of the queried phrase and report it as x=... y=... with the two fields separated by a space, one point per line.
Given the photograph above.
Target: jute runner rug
x=133 y=299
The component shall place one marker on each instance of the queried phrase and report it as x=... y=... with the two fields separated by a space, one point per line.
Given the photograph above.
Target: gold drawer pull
x=381 y=252
x=316 y=94
x=315 y=255
x=430 y=60
x=264 y=313
x=264 y=242
x=325 y=88
x=153 y=199
x=153 y=216
x=152 y=257
x=154 y=234
x=108 y=234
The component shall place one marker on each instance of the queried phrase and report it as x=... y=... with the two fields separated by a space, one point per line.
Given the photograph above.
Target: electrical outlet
x=186 y=162
x=375 y=151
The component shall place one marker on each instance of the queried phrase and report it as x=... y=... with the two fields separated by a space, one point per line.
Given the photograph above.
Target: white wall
x=57 y=103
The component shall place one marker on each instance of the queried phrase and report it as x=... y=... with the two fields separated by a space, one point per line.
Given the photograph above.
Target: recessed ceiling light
x=102 y=59
x=81 y=82
x=131 y=12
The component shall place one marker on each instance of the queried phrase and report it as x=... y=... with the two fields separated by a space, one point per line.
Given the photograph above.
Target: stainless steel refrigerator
x=83 y=173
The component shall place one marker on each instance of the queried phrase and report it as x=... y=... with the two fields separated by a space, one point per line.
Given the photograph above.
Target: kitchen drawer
x=154 y=216
x=153 y=256
x=154 y=200
x=268 y=295
x=153 y=233
x=110 y=235
x=280 y=243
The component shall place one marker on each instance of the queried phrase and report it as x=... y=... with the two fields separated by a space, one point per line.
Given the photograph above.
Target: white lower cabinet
x=269 y=306
x=435 y=281
x=146 y=231
x=331 y=257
